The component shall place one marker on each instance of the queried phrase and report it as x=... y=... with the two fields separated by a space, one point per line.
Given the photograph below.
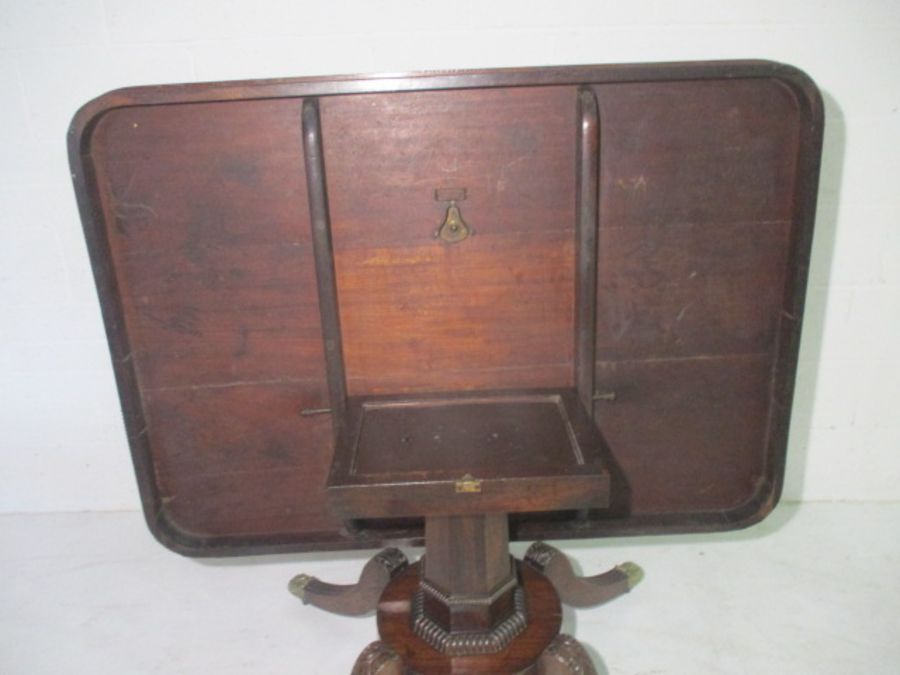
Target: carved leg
x=353 y=599
x=565 y=656
x=578 y=591
x=378 y=659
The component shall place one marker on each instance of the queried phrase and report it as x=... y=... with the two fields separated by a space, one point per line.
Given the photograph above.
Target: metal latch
x=454 y=228
x=468 y=484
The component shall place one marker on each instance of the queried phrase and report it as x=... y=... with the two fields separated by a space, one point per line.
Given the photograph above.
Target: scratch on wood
x=121 y=208
x=465 y=371
x=633 y=184
x=505 y=169
x=624 y=325
x=696 y=357
x=233 y=383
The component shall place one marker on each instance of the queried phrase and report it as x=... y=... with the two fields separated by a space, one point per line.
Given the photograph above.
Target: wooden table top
x=197 y=216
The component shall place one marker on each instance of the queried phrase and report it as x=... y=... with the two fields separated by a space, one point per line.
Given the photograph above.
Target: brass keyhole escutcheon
x=454 y=228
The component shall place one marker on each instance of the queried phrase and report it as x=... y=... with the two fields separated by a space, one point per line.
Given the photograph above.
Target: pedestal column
x=469 y=599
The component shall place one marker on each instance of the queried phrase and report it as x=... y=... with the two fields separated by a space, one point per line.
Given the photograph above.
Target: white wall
x=62 y=446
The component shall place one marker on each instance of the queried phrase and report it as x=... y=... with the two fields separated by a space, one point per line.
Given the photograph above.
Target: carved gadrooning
x=469 y=643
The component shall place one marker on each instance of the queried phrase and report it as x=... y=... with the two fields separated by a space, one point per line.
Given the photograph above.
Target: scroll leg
x=565 y=656
x=378 y=659
x=353 y=599
x=578 y=591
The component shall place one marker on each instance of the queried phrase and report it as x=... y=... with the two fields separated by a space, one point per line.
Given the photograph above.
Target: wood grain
x=494 y=311
x=194 y=205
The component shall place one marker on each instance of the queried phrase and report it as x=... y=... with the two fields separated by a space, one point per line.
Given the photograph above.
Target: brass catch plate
x=454 y=228
x=468 y=485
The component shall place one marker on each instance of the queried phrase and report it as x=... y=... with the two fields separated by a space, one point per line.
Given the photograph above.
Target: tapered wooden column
x=469 y=584
x=468 y=555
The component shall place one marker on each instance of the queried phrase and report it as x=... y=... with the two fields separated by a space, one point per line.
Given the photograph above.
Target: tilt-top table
x=459 y=308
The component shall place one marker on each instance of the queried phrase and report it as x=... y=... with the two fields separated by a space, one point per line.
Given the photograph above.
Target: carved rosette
x=392 y=560
x=377 y=659
x=569 y=656
x=540 y=554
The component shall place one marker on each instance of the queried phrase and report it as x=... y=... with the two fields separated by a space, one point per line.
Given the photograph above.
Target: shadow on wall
x=833 y=150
